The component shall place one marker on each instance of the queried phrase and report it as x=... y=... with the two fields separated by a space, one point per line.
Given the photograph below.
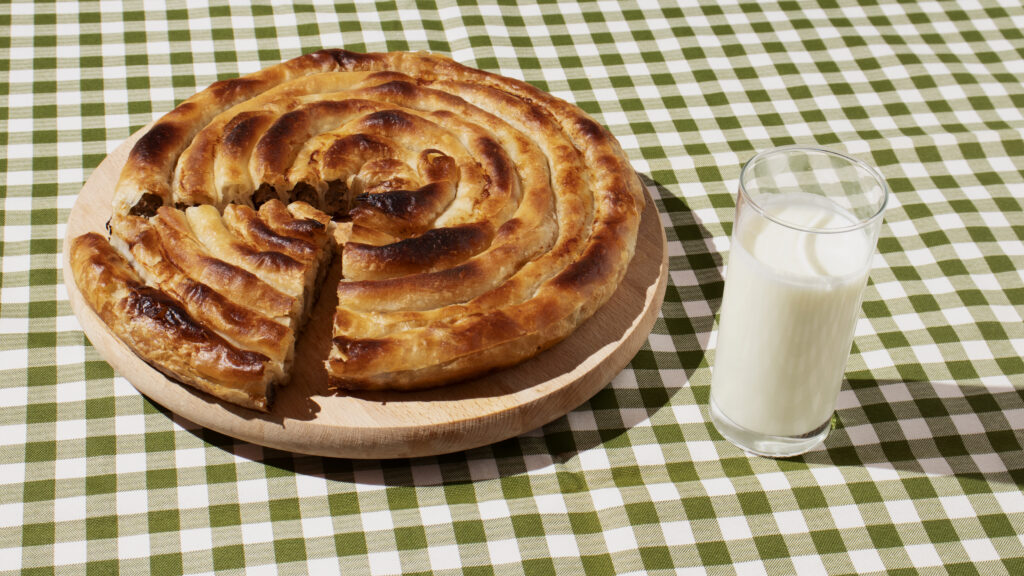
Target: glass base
x=766 y=444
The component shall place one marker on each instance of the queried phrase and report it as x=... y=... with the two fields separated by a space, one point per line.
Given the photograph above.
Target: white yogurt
x=790 y=306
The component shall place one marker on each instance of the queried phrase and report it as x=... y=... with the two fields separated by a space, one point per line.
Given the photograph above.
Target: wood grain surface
x=309 y=418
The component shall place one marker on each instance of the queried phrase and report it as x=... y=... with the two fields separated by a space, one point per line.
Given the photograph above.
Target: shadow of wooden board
x=309 y=418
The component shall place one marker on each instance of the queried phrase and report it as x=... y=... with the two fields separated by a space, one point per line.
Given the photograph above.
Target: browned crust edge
x=159 y=330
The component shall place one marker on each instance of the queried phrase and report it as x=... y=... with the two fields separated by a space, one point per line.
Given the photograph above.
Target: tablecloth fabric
x=922 y=472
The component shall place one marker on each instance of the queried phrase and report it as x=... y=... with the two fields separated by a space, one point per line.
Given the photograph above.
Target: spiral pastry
x=479 y=220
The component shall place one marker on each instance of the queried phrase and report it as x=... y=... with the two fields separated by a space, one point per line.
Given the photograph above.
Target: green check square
x=290 y=550
x=164 y=521
x=100 y=527
x=284 y=509
x=228 y=557
x=166 y=564
x=37 y=534
x=527 y=526
x=469 y=531
x=225 y=515
x=714 y=553
x=350 y=544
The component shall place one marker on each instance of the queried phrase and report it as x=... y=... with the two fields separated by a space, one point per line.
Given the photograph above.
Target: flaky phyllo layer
x=478 y=219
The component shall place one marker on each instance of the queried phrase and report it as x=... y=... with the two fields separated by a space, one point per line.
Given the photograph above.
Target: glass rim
x=860 y=164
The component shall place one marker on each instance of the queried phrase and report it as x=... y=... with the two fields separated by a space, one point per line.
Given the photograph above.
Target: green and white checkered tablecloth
x=923 y=473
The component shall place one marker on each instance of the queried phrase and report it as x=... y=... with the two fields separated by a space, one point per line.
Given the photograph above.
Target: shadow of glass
x=695 y=285
x=674 y=352
x=955 y=429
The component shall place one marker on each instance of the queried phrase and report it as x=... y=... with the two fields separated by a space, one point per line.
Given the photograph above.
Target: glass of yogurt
x=807 y=221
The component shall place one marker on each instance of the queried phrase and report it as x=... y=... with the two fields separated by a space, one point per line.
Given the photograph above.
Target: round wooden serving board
x=309 y=418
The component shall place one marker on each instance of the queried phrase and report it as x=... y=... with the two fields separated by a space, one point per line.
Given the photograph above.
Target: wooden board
x=309 y=418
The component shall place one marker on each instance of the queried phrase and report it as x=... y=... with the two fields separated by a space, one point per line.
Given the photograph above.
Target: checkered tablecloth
x=922 y=473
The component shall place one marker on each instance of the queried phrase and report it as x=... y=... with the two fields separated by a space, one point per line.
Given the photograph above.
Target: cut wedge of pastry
x=214 y=300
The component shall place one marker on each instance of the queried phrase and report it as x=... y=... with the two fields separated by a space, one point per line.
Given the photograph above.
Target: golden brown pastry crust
x=202 y=278
x=484 y=219
x=159 y=330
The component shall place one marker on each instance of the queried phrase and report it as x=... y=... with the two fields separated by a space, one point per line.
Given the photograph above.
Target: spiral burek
x=479 y=219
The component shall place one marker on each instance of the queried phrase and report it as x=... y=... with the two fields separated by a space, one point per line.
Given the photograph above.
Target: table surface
x=922 y=472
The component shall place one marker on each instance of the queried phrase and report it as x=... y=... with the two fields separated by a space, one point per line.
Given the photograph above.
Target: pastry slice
x=158 y=329
x=245 y=281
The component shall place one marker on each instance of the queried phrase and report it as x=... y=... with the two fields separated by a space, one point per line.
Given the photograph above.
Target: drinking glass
x=806 y=226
